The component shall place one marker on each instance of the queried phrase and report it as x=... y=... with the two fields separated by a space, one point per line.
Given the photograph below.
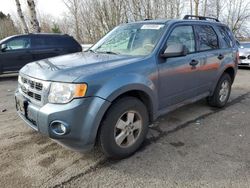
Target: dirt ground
x=194 y=146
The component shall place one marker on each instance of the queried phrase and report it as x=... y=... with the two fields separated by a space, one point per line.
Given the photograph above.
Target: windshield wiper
x=108 y=52
x=90 y=50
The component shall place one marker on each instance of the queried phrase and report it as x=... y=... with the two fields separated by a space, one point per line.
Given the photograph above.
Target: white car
x=244 y=53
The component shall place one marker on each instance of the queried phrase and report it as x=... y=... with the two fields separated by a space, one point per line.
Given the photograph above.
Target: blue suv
x=139 y=71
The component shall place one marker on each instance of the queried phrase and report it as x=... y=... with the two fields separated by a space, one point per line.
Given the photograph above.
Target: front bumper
x=244 y=63
x=82 y=115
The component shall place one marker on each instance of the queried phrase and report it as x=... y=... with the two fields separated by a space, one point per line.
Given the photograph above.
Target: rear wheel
x=124 y=128
x=222 y=92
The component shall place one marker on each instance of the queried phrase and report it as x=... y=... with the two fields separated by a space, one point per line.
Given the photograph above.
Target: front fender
x=121 y=84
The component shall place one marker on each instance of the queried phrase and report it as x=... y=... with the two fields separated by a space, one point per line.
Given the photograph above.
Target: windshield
x=131 y=39
x=245 y=45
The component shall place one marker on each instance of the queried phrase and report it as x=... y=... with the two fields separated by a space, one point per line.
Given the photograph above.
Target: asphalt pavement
x=194 y=146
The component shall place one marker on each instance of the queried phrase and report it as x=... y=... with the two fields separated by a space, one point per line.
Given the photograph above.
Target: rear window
x=208 y=39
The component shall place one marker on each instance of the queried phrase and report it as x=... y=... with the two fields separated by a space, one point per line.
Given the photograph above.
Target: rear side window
x=183 y=35
x=46 y=41
x=53 y=41
x=69 y=41
x=38 y=42
x=208 y=39
x=226 y=40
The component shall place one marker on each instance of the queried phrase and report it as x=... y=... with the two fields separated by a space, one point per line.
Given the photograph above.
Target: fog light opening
x=59 y=128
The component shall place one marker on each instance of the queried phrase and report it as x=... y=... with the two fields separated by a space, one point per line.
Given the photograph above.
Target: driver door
x=16 y=55
x=178 y=79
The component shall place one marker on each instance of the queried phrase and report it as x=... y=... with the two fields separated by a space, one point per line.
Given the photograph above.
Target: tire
x=220 y=97
x=126 y=119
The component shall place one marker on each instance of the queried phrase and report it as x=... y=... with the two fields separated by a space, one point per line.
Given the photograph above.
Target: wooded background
x=89 y=20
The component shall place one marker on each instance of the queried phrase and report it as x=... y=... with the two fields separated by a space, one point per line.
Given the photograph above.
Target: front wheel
x=222 y=92
x=124 y=128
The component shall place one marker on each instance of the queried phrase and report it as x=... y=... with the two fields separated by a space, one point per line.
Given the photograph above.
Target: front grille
x=34 y=85
x=32 y=88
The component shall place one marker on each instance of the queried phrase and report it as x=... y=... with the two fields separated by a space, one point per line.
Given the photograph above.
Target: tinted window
x=68 y=41
x=18 y=43
x=183 y=35
x=45 y=41
x=51 y=41
x=207 y=38
x=38 y=42
x=226 y=40
x=230 y=34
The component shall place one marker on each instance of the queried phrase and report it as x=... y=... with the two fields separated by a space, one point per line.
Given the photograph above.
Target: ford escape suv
x=139 y=71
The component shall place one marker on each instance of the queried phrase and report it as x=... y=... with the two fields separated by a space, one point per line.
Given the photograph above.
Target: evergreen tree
x=55 y=28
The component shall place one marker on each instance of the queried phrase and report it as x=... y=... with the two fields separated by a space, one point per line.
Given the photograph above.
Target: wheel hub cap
x=128 y=129
x=224 y=91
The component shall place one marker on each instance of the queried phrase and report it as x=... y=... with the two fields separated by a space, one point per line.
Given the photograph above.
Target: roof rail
x=193 y=17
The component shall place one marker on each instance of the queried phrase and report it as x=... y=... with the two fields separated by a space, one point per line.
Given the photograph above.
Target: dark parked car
x=17 y=51
x=139 y=71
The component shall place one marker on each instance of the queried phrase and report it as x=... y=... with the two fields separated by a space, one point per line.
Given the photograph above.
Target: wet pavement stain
x=177 y=144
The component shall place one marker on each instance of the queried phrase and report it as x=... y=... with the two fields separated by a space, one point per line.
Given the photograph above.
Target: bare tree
x=73 y=7
x=196 y=7
x=205 y=8
x=7 y=26
x=238 y=15
x=191 y=7
x=21 y=16
x=91 y=19
x=218 y=8
x=33 y=17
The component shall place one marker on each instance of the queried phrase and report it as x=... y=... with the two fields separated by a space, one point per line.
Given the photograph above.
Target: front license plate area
x=21 y=105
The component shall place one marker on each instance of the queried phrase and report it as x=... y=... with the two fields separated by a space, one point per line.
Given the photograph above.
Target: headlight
x=65 y=92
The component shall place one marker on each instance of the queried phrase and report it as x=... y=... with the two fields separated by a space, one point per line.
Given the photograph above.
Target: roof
x=166 y=21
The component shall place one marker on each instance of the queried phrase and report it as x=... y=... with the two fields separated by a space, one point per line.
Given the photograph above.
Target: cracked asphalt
x=194 y=146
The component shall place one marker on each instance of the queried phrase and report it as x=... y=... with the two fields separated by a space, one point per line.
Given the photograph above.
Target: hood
x=68 y=68
x=244 y=51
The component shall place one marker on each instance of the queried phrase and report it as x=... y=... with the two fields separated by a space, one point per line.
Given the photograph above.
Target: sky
x=51 y=7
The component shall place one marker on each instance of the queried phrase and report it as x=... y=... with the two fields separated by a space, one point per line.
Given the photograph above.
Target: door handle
x=194 y=62
x=220 y=57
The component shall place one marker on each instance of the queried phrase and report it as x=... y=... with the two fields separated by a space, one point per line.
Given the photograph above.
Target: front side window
x=130 y=39
x=17 y=44
x=208 y=39
x=183 y=35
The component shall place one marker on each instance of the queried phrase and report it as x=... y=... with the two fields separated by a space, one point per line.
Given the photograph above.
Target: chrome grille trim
x=34 y=89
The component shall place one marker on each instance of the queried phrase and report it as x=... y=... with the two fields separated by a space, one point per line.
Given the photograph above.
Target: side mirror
x=175 y=50
x=3 y=47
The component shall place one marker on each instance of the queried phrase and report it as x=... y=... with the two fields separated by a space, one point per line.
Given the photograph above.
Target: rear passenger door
x=208 y=47
x=44 y=47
